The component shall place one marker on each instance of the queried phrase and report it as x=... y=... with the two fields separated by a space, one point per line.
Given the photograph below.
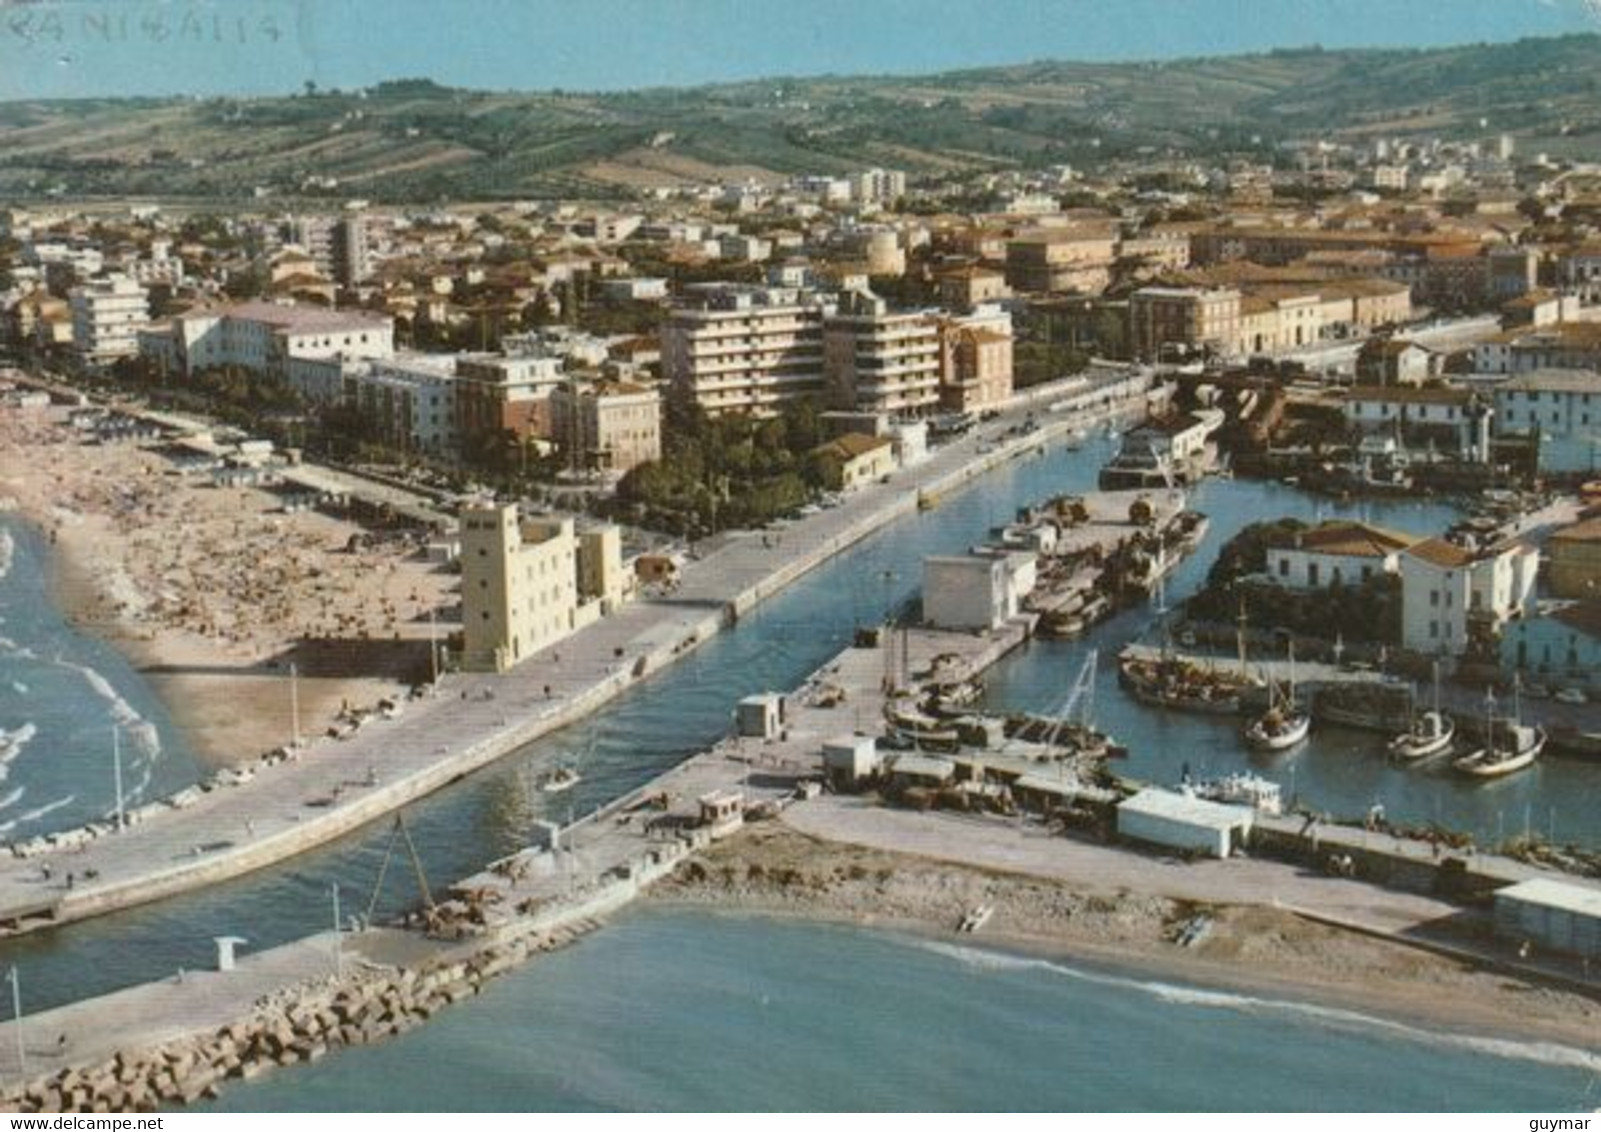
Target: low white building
x=1447 y=414
x=1178 y=821
x=1562 y=915
x=1451 y=594
x=976 y=591
x=1338 y=552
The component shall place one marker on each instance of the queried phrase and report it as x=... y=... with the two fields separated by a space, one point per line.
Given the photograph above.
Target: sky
x=80 y=48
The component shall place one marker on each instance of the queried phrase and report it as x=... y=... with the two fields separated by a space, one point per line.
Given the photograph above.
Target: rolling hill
x=414 y=140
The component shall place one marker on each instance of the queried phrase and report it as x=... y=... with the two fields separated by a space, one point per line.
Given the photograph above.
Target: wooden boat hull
x=1411 y=747
x=1479 y=764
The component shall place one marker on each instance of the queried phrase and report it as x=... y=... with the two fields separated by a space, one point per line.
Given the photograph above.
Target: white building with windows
x=410 y=400
x=107 y=316
x=1338 y=552
x=1452 y=594
x=263 y=337
x=1563 y=408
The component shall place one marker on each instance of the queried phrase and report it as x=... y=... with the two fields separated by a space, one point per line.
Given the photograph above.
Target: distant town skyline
x=104 y=48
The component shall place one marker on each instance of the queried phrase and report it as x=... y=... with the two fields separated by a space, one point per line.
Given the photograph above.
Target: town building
x=1164 y=321
x=875 y=361
x=976 y=592
x=265 y=337
x=500 y=396
x=1561 y=409
x=744 y=350
x=1393 y=361
x=107 y=316
x=1560 y=646
x=1573 y=560
x=976 y=361
x=1456 y=420
x=607 y=426
x=1454 y=596
x=1073 y=259
x=1564 y=345
x=529 y=582
x=855 y=459
x=1337 y=553
x=409 y=401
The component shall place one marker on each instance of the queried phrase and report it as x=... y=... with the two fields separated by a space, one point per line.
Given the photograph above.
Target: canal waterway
x=686 y=707
x=690 y=1011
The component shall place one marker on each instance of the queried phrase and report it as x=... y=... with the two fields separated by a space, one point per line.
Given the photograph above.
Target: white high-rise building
x=107 y=315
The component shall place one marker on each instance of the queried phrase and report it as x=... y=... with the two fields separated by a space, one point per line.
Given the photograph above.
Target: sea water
x=684 y=1010
x=62 y=695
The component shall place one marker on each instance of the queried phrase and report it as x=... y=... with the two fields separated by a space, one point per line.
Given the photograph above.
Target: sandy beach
x=773 y=869
x=214 y=592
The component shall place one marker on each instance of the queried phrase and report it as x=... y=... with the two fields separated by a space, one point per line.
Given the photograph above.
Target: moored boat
x=1510 y=747
x=1284 y=724
x=1429 y=733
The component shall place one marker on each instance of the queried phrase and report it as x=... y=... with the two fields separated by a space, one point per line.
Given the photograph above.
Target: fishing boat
x=1430 y=733
x=1283 y=725
x=1168 y=682
x=1509 y=748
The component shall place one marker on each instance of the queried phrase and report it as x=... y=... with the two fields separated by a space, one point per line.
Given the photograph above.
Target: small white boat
x=1276 y=730
x=1283 y=725
x=1261 y=794
x=1430 y=734
x=1517 y=749
x=561 y=779
x=1509 y=748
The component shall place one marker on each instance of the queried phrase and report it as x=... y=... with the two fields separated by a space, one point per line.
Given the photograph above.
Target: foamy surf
x=145 y=738
x=35 y=815
x=11 y=744
x=1546 y=1053
x=8 y=552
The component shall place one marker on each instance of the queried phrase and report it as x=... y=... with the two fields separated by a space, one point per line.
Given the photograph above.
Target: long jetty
x=283 y=808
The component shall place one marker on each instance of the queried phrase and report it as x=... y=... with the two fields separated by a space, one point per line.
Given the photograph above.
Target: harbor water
x=686 y=707
x=696 y=1011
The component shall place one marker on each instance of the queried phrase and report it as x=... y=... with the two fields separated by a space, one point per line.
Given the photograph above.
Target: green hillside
x=413 y=140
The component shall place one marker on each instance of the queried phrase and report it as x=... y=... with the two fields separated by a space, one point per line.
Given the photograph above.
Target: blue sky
x=63 y=48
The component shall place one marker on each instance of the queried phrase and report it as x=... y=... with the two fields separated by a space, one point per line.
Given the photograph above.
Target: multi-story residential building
x=1561 y=409
x=1189 y=318
x=607 y=426
x=880 y=186
x=496 y=395
x=1561 y=646
x=1338 y=552
x=1510 y=271
x=976 y=361
x=267 y=337
x=1157 y=250
x=745 y=350
x=1454 y=596
x=1077 y=259
x=410 y=400
x=881 y=362
x=107 y=316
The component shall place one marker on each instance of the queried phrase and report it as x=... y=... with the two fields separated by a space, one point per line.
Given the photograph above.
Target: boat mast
x=1436 y=667
x=1239 y=638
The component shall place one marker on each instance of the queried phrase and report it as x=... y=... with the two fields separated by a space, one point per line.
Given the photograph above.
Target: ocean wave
x=1546 y=1053
x=146 y=740
x=11 y=744
x=13 y=798
x=8 y=552
x=19 y=687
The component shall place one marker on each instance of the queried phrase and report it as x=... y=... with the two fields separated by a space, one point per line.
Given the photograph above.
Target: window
x=1434 y=597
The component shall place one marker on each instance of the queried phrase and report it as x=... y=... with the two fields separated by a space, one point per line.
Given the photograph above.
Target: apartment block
x=745 y=350
x=878 y=362
x=976 y=360
x=1453 y=596
x=107 y=316
x=264 y=337
x=1062 y=259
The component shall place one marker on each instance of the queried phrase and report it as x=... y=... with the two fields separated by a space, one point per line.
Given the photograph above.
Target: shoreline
x=1251 y=949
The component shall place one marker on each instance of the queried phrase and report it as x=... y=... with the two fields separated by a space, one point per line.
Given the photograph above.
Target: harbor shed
x=1177 y=821
x=1557 y=914
x=850 y=759
x=761 y=716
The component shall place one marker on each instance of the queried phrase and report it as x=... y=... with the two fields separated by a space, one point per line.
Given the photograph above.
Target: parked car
x=1571 y=696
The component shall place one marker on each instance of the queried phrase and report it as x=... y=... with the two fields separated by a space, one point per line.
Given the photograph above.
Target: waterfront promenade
x=336 y=786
